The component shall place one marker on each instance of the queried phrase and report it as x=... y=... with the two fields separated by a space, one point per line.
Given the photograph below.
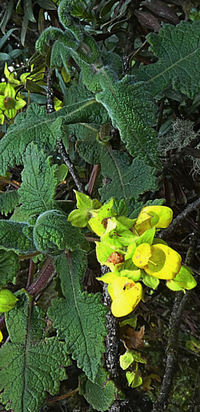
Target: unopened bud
x=7 y=300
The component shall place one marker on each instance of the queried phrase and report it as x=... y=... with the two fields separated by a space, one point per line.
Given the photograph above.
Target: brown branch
x=70 y=166
x=172 y=349
x=170 y=229
x=93 y=178
x=172 y=345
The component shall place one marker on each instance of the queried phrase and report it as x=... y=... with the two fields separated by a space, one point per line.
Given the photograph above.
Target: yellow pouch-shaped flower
x=125 y=295
x=159 y=260
x=153 y=216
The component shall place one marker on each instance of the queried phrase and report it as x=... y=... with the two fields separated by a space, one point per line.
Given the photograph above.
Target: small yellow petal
x=1 y=336
x=153 y=216
x=142 y=255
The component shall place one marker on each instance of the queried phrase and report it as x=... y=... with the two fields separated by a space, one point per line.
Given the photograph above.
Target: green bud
x=7 y=300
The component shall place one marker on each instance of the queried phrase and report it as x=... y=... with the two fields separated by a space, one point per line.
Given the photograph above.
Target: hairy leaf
x=38 y=182
x=132 y=112
x=43 y=129
x=100 y=393
x=178 y=52
x=8 y=201
x=80 y=316
x=9 y=266
x=29 y=363
x=52 y=234
x=13 y=237
x=127 y=179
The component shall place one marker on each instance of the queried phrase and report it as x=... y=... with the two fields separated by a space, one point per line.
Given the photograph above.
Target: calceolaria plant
x=129 y=247
x=100 y=136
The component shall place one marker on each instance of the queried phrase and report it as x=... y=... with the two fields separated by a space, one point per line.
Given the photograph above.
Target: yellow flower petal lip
x=153 y=216
x=164 y=262
x=1 y=336
x=108 y=277
x=125 y=295
x=142 y=255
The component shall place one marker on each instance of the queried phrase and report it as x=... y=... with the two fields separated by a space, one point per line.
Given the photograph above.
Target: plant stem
x=50 y=94
x=42 y=279
x=192 y=206
x=70 y=166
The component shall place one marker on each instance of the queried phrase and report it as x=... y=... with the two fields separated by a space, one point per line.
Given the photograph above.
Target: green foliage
x=126 y=179
x=79 y=317
x=107 y=116
x=100 y=393
x=52 y=233
x=8 y=201
x=30 y=364
x=38 y=127
x=132 y=112
x=9 y=266
x=37 y=190
x=177 y=49
x=13 y=237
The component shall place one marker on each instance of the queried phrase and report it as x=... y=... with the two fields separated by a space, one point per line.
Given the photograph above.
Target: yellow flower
x=1 y=336
x=153 y=216
x=125 y=295
x=159 y=260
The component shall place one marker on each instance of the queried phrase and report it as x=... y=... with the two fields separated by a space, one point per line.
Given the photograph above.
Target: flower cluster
x=131 y=251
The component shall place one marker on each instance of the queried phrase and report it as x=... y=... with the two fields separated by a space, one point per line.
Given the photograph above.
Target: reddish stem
x=42 y=279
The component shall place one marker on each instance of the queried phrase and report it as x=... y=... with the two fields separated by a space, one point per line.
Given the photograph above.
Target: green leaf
x=38 y=182
x=12 y=237
x=125 y=179
x=183 y=280
x=126 y=359
x=9 y=266
x=22 y=379
x=8 y=201
x=150 y=281
x=5 y=37
x=61 y=172
x=100 y=393
x=146 y=237
x=7 y=15
x=79 y=317
x=52 y=234
x=178 y=51
x=43 y=129
x=132 y=112
x=32 y=126
x=134 y=380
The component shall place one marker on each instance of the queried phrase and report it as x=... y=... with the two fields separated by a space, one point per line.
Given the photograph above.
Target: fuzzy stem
x=42 y=279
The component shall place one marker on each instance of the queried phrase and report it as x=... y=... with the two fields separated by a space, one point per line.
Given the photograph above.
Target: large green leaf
x=126 y=179
x=100 y=393
x=30 y=364
x=52 y=234
x=39 y=183
x=8 y=201
x=44 y=129
x=132 y=112
x=13 y=237
x=79 y=317
x=178 y=52
x=9 y=266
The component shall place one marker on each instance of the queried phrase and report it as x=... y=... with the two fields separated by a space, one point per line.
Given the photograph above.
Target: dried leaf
x=147 y=20
x=162 y=10
x=132 y=339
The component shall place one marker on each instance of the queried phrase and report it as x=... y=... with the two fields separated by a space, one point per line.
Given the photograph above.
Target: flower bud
x=7 y=300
